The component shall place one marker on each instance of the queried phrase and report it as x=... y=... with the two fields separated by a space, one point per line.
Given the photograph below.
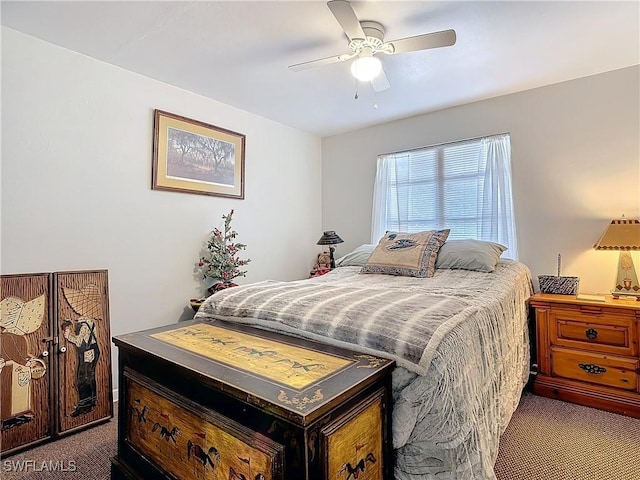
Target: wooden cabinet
x=55 y=359
x=211 y=399
x=25 y=374
x=588 y=352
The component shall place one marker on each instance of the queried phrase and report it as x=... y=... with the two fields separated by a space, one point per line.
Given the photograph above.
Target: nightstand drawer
x=607 y=334
x=606 y=370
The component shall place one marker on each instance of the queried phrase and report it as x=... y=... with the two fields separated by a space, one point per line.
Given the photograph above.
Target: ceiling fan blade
x=444 y=38
x=316 y=63
x=380 y=82
x=347 y=18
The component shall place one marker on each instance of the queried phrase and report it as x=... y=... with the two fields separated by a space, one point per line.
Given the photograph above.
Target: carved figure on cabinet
x=165 y=433
x=359 y=468
x=139 y=414
x=211 y=456
x=86 y=302
x=18 y=319
x=83 y=336
x=297 y=366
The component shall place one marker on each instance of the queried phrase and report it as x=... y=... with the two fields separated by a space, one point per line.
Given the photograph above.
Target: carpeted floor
x=546 y=440
x=552 y=440
x=80 y=456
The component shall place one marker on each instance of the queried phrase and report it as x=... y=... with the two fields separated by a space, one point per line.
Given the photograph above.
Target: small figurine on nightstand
x=322 y=265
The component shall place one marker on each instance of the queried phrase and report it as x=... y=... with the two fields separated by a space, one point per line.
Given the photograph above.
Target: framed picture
x=194 y=157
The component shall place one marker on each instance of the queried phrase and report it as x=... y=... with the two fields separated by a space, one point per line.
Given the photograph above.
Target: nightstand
x=588 y=352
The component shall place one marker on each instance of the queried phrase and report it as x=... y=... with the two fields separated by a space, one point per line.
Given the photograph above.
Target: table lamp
x=330 y=238
x=623 y=234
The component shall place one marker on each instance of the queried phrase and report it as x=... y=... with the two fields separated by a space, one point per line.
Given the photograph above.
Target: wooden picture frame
x=194 y=157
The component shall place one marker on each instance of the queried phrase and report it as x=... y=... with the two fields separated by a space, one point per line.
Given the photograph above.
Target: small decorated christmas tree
x=223 y=264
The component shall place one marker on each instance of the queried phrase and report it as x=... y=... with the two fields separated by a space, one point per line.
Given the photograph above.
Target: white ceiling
x=237 y=52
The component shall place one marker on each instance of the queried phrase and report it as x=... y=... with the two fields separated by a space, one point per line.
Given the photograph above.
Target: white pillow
x=356 y=258
x=470 y=254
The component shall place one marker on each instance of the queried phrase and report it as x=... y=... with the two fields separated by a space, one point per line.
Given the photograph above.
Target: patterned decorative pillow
x=406 y=254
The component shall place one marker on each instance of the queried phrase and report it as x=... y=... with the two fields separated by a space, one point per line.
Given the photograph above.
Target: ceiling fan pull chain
x=356 y=96
x=375 y=100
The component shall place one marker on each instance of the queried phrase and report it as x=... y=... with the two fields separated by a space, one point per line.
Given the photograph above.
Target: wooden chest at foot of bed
x=216 y=400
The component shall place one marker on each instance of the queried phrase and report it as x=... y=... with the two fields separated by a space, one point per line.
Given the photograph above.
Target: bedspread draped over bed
x=460 y=340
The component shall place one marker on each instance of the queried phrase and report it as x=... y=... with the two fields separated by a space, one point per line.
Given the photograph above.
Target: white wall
x=575 y=165
x=76 y=184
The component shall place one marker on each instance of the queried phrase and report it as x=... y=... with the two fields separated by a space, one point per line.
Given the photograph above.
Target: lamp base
x=332 y=260
x=626 y=278
x=616 y=295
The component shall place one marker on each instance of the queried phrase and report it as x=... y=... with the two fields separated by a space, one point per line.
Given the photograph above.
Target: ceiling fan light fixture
x=366 y=68
x=366 y=40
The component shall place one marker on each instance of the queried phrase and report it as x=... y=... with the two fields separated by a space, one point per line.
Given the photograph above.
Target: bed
x=459 y=339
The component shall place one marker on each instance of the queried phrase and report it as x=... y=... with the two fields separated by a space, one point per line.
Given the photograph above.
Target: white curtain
x=385 y=176
x=497 y=222
x=495 y=215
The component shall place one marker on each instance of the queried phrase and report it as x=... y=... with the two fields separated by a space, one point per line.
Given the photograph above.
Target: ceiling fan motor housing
x=374 y=32
x=374 y=39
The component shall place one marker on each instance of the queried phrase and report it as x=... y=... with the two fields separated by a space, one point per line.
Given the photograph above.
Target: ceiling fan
x=366 y=39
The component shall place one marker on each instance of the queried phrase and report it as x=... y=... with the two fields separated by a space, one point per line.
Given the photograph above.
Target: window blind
x=460 y=186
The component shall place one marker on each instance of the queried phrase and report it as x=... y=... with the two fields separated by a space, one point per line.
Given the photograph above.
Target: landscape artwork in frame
x=195 y=157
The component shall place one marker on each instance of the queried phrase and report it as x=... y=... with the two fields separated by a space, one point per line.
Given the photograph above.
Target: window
x=464 y=186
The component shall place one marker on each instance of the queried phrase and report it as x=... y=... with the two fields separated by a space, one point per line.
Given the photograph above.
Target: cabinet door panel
x=25 y=375
x=190 y=441
x=354 y=442
x=84 y=356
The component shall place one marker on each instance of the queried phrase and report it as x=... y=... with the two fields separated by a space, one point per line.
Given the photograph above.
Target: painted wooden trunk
x=210 y=399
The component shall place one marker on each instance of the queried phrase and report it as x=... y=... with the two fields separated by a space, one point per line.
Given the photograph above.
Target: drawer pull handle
x=591 y=333
x=591 y=368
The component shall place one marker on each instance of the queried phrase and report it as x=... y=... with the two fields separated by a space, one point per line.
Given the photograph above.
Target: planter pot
x=216 y=287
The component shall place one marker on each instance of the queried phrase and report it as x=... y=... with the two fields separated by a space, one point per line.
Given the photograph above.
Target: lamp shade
x=620 y=234
x=329 y=238
x=624 y=235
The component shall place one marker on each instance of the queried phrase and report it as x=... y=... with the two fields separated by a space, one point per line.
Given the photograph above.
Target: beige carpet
x=552 y=440
x=546 y=440
x=80 y=456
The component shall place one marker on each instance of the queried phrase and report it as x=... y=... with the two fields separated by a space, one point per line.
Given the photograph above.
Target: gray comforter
x=460 y=340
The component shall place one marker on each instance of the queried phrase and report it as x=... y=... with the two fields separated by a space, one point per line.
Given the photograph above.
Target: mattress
x=459 y=338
